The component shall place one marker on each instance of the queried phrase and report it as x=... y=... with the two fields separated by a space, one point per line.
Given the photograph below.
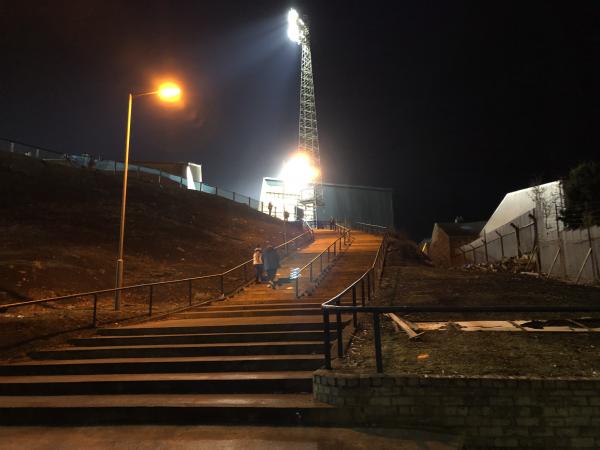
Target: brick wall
x=488 y=412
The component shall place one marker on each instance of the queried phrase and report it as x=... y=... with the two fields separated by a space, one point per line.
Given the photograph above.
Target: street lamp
x=168 y=92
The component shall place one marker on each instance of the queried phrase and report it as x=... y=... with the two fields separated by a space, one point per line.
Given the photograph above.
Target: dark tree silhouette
x=582 y=196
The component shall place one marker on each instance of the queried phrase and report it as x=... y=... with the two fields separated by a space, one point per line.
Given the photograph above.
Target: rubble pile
x=402 y=250
x=512 y=265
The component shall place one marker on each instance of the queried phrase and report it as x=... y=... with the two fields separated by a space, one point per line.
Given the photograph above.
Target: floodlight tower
x=308 y=135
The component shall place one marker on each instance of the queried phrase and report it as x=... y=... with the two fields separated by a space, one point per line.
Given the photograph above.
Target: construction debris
x=524 y=264
x=408 y=327
x=555 y=326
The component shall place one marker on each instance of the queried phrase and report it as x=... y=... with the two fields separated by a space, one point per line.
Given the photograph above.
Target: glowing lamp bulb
x=299 y=171
x=169 y=92
x=294 y=26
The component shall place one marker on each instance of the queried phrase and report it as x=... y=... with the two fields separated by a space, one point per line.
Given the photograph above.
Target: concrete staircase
x=248 y=359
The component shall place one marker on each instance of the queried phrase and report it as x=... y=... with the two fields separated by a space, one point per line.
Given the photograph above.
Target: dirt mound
x=403 y=251
x=60 y=229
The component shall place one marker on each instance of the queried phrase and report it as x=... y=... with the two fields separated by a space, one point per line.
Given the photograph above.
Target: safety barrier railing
x=363 y=286
x=135 y=171
x=376 y=311
x=314 y=269
x=370 y=228
x=220 y=285
x=368 y=282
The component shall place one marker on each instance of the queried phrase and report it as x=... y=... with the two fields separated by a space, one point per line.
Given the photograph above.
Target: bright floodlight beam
x=296 y=28
x=308 y=136
x=299 y=171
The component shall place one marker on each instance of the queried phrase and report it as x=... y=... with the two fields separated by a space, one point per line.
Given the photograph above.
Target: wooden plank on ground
x=405 y=325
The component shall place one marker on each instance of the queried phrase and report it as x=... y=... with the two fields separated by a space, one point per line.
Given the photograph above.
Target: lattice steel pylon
x=308 y=133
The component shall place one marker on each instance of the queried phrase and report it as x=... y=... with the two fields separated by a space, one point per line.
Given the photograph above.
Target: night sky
x=452 y=104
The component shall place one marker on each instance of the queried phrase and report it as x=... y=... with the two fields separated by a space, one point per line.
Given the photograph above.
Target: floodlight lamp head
x=296 y=27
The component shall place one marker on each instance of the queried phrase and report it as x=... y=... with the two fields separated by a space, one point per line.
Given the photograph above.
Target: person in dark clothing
x=270 y=207
x=271 y=264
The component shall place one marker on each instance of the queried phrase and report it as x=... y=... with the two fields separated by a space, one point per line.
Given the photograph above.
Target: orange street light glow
x=169 y=92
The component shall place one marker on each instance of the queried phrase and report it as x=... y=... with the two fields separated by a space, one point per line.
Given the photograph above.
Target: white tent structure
x=527 y=223
x=518 y=203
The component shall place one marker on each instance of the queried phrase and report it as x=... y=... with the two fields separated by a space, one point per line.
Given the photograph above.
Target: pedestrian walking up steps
x=253 y=360
x=248 y=359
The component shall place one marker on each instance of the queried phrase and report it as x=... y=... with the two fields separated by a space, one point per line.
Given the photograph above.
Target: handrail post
x=327 y=339
x=340 y=343
x=311 y=272
x=245 y=273
x=151 y=300
x=328 y=254
x=223 y=285
x=354 y=319
x=321 y=261
x=369 y=286
x=190 y=292
x=377 y=335
x=362 y=291
x=297 y=294
x=94 y=317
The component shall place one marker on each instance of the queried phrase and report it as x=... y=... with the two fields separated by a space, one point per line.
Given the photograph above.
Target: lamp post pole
x=119 y=282
x=168 y=92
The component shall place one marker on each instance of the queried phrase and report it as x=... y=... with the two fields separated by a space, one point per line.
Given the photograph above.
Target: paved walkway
x=219 y=438
x=298 y=259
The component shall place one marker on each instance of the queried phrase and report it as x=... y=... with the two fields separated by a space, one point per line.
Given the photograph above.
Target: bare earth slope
x=58 y=235
x=408 y=281
x=59 y=228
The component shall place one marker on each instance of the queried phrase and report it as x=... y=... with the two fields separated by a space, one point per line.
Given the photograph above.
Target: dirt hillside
x=409 y=279
x=59 y=228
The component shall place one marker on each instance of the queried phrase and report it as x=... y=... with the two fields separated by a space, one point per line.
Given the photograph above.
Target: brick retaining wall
x=488 y=412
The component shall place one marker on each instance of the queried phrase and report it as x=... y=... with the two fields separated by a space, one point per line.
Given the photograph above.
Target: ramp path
x=245 y=359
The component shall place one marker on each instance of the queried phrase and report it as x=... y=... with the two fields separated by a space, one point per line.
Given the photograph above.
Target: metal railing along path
x=136 y=170
x=370 y=228
x=363 y=286
x=243 y=276
x=373 y=275
x=331 y=253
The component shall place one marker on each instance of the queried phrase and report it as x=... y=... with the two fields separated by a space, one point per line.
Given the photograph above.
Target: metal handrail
x=371 y=228
x=333 y=305
x=179 y=180
x=345 y=238
x=189 y=280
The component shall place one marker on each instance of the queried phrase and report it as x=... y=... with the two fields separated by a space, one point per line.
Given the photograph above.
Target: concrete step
x=176 y=409
x=272 y=312
x=183 y=350
x=164 y=339
x=249 y=298
x=199 y=327
x=163 y=383
x=256 y=306
x=200 y=364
